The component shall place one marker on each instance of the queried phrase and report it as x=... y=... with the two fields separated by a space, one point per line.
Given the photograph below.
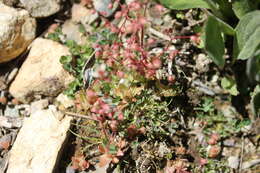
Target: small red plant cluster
x=214 y=149
x=79 y=163
x=121 y=57
x=125 y=57
x=131 y=53
x=123 y=63
x=111 y=152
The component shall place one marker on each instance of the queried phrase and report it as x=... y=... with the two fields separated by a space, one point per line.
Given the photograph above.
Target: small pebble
x=69 y=169
x=233 y=162
x=39 y=105
x=65 y=101
x=11 y=111
x=229 y=142
x=102 y=6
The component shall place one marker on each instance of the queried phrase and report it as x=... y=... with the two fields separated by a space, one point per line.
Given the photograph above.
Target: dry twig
x=77 y=115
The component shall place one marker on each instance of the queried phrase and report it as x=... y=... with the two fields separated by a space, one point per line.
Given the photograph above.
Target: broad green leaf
x=246 y=27
x=65 y=59
x=241 y=7
x=251 y=45
x=229 y=85
x=216 y=7
x=184 y=4
x=253 y=69
x=235 y=48
x=226 y=28
x=255 y=101
x=224 y=7
x=214 y=43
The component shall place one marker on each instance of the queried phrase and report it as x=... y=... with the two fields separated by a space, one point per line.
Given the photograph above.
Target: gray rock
x=24 y=109
x=69 y=169
x=202 y=63
x=39 y=142
x=39 y=105
x=229 y=143
x=228 y=111
x=17 y=30
x=233 y=162
x=41 y=73
x=163 y=149
x=4 y=122
x=41 y=8
x=79 y=12
x=65 y=101
x=102 y=6
x=248 y=164
x=10 y=3
x=99 y=169
x=71 y=32
x=9 y=122
x=11 y=111
x=3 y=164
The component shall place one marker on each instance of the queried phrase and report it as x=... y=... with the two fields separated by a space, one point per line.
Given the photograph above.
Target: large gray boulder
x=41 y=8
x=41 y=73
x=39 y=142
x=17 y=30
x=10 y=3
